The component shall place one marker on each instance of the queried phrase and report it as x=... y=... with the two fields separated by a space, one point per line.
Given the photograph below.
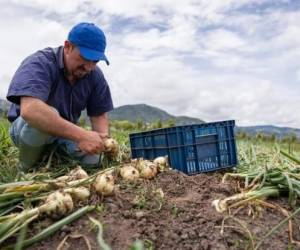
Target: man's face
x=76 y=65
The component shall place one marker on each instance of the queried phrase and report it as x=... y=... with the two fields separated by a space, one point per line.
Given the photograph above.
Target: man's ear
x=68 y=46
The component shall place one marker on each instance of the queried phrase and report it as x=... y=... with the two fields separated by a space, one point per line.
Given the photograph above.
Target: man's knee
x=33 y=137
x=30 y=142
x=21 y=131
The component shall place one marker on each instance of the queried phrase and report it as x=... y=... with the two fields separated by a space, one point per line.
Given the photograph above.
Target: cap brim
x=92 y=55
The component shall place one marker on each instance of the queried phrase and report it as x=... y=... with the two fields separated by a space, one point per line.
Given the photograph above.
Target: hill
x=148 y=114
x=269 y=130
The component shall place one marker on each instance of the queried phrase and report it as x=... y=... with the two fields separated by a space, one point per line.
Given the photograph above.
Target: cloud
x=215 y=60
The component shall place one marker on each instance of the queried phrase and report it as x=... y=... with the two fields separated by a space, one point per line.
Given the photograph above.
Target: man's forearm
x=44 y=118
x=100 y=124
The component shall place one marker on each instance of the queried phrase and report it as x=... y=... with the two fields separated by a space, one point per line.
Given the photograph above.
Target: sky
x=210 y=59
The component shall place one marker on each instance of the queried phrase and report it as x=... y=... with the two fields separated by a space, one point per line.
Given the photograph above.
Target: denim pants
x=32 y=143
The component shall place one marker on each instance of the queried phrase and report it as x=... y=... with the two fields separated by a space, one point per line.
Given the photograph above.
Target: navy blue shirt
x=41 y=75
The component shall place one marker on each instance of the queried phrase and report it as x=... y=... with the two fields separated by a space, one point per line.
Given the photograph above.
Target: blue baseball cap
x=90 y=41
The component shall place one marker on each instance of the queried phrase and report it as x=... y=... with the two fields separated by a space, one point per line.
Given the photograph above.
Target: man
x=51 y=88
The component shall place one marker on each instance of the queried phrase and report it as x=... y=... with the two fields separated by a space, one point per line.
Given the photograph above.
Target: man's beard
x=75 y=75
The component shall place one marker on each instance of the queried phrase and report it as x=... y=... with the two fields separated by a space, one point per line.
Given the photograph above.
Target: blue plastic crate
x=192 y=149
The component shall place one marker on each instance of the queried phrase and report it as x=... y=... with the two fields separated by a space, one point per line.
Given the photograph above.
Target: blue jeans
x=32 y=143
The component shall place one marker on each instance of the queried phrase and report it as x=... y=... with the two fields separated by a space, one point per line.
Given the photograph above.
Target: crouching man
x=50 y=89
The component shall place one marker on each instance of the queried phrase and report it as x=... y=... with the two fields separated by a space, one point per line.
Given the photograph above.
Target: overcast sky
x=210 y=59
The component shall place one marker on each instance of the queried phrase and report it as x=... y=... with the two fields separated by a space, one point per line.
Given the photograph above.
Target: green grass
x=8 y=155
x=60 y=164
x=292 y=148
x=261 y=153
x=255 y=154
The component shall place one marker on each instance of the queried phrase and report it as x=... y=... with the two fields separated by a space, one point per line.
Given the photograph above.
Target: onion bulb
x=138 y=163
x=111 y=147
x=148 y=170
x=129 y=173
x=57 y=204
x=219 y=205
x=78 y=173
x=159 y=193
x=75 y=174
x=105 y=184
x=161 y=163
x=79 y=193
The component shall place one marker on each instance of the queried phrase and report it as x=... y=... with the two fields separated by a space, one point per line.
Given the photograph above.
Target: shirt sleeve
x=32 y=78
x=100 y=100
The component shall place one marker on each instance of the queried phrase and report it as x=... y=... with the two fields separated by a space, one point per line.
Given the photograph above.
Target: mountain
x=148 y=114
x=269 y=130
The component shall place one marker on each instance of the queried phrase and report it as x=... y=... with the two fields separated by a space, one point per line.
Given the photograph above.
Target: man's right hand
x=91 y=143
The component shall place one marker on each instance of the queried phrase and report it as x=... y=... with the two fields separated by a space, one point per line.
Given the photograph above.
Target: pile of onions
x=104 y=184
x=129 y=173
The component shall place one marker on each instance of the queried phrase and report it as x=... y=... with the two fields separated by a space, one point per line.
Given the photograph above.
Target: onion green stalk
x=242 y=198
x=277 y=227
x=16 y=192
x=55 y=227
x=290 y=157
x=14 y=184
x=57 y=204
x=102 y=244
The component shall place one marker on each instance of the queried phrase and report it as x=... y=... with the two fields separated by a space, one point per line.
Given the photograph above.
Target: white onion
x=104 y=184
x=159 y=193
x=138 y=163
x=111 y=147
x=148 y=170
x=78 y=173
x=129 y=173
x=75 y=174
x=79 y=193
x=57 y=204
x=161 y=162
x=219 y=205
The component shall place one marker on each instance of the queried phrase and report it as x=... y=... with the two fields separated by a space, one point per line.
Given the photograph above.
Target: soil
x=182 y=219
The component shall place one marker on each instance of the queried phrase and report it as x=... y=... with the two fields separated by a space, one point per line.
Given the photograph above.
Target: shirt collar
x=60 y=55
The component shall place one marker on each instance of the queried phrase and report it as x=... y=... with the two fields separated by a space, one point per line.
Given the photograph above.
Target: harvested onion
x=138 y=163
x=161 y=163
x=78 y=173
x=129 y=173
x=111 y=147
x=75 y=174
x=57 y=204
x=79 y=193
x=105 y=184
x=148 y=170
x=219 y=206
